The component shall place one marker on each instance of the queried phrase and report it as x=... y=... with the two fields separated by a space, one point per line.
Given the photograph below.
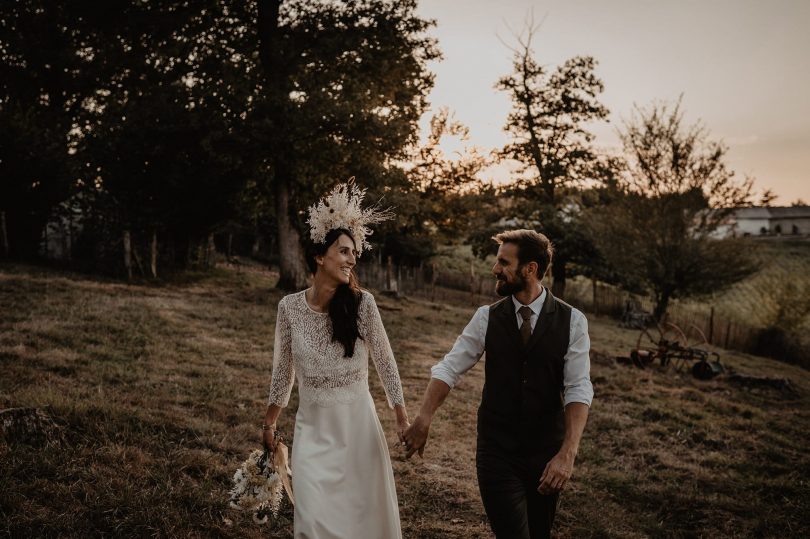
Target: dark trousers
x=508 y=483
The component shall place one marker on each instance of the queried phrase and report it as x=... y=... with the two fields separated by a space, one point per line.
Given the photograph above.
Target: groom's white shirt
x=470 y=346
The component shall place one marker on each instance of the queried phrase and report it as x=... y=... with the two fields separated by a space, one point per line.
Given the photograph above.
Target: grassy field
x=784 y=276
x=158 y=393
x=759 y=301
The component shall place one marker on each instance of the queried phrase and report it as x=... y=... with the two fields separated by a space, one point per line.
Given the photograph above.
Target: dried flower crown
x=341 y=208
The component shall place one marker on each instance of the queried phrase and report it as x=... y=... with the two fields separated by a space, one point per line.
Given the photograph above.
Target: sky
x=742 y=67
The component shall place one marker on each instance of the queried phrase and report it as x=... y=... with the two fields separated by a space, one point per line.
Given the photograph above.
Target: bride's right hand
x=269 y=438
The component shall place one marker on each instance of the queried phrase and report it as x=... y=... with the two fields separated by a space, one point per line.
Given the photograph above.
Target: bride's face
x=339 y=260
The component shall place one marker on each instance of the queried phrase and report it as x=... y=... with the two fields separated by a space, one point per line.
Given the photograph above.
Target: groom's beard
x=506 y=288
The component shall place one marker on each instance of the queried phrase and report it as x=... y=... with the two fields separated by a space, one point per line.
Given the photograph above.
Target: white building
x=759 y=221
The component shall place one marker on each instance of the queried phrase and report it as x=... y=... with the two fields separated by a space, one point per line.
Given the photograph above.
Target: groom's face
x=507 y=271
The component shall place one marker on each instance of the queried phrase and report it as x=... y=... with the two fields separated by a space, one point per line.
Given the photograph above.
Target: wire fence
x=429 y=282
x=698 y=322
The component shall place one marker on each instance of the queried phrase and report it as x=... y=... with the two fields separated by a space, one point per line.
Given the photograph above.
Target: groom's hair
x=532 y=247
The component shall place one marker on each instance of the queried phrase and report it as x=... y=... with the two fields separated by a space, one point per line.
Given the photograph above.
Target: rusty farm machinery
x=669 y=345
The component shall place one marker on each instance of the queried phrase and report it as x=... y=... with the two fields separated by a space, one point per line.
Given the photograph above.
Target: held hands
x=402 y=421
x=415 y=437
x=402 y=425
x=557 y=473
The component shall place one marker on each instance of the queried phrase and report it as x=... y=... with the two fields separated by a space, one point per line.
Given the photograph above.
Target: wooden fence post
x=728 y=331
x=710 y=337
x=153 y=255
x=390 y=284
x=210 y=251
x=472 y=283
x=433 y=276
x=128 y=254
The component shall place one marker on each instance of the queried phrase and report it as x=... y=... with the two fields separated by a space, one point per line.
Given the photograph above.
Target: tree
x=158 y=135
x=170 y=118
x=660 y=230
x=343 y=86
x=437 y=196
x=41 y=87
x=550 y=142
x=767 y=197
x=97 y=100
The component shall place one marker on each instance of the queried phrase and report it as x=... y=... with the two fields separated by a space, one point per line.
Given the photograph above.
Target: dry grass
x=159 y=391
x=784 y=274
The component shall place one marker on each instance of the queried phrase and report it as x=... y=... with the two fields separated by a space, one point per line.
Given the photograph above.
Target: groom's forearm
x=576 y=415
x=435 y=394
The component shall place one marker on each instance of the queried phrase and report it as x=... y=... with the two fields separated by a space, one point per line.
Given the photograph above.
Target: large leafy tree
x=41 y=88
x=551 y=143
x=438 y=196
x=343 y=86
x=662 y=228
x=160 y=136
x=101 y=99
x=179 y=118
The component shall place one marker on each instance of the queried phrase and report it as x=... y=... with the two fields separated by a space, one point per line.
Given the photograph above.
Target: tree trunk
x=153 y=255
x=68 y=237
x=433 y=277
x=138 y=261
x=558 y=273
x=473 y=282
x=128 y=254
x=292 y=266
x=3 y=234
x=390 y=283
x=210 y=251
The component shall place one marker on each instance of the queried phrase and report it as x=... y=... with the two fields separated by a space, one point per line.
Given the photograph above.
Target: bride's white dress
x=342 y=477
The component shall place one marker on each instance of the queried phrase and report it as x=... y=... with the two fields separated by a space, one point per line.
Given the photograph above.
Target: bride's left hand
x=402 y=422
x=401 y=428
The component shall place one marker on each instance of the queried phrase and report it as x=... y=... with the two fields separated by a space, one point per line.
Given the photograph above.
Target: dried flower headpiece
x=341 y=209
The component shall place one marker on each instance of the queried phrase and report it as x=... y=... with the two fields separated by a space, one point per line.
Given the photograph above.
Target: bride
x=341 y=469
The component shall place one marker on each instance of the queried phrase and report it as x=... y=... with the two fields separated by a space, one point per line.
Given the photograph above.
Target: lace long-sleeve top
x=304 y=349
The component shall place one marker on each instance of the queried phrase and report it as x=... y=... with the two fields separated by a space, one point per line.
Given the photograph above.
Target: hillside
x=158 y=393
x=784 y=276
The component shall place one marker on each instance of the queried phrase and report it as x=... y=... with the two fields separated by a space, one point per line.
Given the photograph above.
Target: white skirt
x=341 y=473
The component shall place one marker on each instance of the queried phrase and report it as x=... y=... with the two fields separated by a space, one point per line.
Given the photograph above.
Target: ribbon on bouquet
x=282 y=467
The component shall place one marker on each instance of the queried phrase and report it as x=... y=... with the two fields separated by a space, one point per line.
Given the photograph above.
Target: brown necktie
x=526 y=327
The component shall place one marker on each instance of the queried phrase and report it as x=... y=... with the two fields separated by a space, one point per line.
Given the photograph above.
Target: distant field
x=158 y=392
x=460 y=258
x=784 y=277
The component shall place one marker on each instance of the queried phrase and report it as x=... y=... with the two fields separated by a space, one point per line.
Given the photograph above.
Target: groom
x=537 y=390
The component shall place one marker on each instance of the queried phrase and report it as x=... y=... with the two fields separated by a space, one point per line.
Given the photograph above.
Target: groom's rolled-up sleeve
x=577 y=368
x=466 y=352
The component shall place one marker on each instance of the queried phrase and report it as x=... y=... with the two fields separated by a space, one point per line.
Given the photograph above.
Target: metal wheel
x=655 y=342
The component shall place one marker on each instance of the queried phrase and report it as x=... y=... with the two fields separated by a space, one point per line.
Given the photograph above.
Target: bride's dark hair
x=345 y=304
